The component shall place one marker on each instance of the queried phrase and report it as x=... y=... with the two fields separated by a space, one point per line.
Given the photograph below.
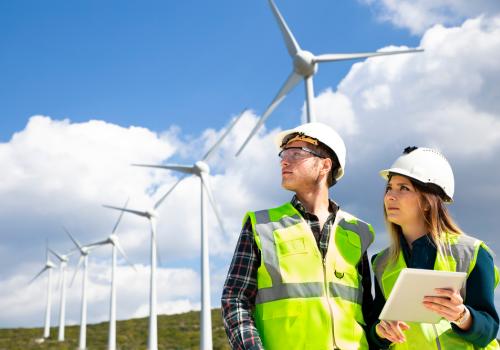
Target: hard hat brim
x=403 y=172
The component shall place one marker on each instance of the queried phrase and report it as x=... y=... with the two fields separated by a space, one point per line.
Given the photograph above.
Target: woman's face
x=402 y=202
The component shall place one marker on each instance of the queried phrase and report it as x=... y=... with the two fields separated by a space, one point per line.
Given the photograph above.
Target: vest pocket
x=282 y=308
x=354 y=239
x=348 y=245
x=293 y=246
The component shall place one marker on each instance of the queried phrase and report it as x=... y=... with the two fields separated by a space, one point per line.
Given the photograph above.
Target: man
x=300 y=278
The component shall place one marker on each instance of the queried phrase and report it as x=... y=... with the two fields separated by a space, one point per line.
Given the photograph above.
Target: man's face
x=299 y=169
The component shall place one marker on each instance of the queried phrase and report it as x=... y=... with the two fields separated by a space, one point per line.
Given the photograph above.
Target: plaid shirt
x=240 y=288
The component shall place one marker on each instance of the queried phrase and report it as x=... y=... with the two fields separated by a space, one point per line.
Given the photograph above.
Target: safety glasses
x=294 y=154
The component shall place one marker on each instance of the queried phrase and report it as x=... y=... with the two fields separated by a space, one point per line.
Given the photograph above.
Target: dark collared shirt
x=240 y=288
x=479 y=292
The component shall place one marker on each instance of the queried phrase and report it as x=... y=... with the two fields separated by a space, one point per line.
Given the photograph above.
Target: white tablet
x=405 y=301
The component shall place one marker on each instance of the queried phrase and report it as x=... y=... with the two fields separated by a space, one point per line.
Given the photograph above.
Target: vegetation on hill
x=175 y=332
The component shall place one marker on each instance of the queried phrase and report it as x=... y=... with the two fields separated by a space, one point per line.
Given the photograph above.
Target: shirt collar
x=332 y=206
x=424 y=242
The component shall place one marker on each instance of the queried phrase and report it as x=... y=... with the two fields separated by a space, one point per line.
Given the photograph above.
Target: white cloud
x=442 y=97
x=334 y=108
x=377 y=97
x=445 y=97
x=419 y=15
x=25 y=305
x=60 y=173
x=168 y=308
x=62 y=149
x=64 y=171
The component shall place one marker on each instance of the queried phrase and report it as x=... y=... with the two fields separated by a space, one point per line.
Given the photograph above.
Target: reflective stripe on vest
x=294 y=300
x=460 y=254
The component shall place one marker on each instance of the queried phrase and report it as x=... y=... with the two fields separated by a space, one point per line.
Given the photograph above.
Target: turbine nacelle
x=63 y=258
x=201 y=167
x=113 y=239
x=152 y=214
x=304 y=63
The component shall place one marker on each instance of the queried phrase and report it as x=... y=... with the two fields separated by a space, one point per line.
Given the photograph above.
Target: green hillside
x=174 y=332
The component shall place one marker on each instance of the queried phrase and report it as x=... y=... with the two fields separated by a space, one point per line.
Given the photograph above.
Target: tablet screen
x=405 y=301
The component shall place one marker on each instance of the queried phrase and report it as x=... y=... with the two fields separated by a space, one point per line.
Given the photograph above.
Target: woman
x=423 y=235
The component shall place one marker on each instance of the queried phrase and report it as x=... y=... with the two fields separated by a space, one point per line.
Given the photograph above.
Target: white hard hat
x=427 y=166
x=324 y=134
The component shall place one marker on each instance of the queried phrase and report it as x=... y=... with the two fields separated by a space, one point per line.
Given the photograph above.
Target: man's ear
x=327 y=164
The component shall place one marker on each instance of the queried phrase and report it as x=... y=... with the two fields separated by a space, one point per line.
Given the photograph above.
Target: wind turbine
x=202 y=170
x=152 y=215
x=84 y=252
x=305 y=65
x=49 y=265
x=113 y=240
x=63 y=263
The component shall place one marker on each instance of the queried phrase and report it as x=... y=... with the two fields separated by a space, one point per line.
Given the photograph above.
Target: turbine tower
x=84 y=252
x=63 y=263
x=202 y=170
x=113 y=240
x=305 y=65
x=49 y=265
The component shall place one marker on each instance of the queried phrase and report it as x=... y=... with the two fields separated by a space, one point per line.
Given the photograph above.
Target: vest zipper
x=438 y=342
x=328 y=302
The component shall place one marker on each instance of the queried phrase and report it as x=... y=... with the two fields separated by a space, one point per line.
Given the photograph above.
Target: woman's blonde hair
x=438 y=220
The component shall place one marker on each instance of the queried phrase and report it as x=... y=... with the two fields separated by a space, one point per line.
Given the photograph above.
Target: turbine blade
x=80 y=262
x=90 y=248
x=206 y=183
x=160 y=201
x=120 y=217
x=71 y=252
x=290 y=83
x=182 y=168
x=38 y=274
x=122 y=252
x=352 y=56
x=228 y=130
x=56 y=255
x=291 y=44
x=136 y=212
x=93 y=245
x=78 y=245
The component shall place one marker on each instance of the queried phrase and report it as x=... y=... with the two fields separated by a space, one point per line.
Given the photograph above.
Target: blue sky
x=155 y=64
x=88 y=88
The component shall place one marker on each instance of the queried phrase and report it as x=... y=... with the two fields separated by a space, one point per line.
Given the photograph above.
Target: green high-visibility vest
x=305 y=301
x=459 y=254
